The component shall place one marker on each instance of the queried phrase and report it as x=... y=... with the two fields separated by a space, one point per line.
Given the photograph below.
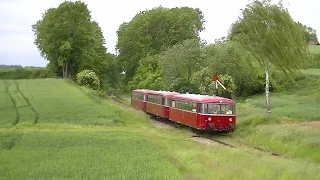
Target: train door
x=144 y=101
x=201 y=109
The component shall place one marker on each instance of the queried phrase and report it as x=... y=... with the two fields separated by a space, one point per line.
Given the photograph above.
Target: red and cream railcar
x=158 y=104
x=202 y=112
x=139 y=98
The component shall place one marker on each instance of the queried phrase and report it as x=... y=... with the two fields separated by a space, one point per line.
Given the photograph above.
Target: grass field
x=52 y=129
x=285 y=132
x=314 y=49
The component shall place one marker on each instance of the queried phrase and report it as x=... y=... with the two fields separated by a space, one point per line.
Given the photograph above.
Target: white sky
x=17 y=16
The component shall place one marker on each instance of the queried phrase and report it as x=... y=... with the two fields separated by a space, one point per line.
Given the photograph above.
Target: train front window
x=228 y=109
x=213 y=108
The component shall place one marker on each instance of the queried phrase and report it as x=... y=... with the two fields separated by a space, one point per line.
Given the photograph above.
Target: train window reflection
x=217 y=109
x=213 y=108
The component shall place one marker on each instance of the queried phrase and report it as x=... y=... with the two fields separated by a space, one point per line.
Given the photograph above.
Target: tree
x=203 y=80
x=270 y=34
x=228 y=57
x=310 y=34
x=69 y=40
x=153 y=31
x=181 y=61
x=148 y=75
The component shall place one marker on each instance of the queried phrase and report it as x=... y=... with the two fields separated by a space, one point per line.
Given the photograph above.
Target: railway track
x=209 y=136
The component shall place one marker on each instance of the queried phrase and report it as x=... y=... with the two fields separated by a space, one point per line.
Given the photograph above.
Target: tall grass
x=292 y=140
x=296 y=102
x=314 y=49
x=98 y=155
x=8 y=112
x=200 y=161
x=58 y=101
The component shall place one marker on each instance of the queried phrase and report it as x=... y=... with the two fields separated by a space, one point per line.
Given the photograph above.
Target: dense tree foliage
x=68 y=38
x=160 y=49
x=202 y=80
x=148 y=75
x=181 y=61
x=268 y=32
x=153 y=31
x=309 y=32
x=228 y=57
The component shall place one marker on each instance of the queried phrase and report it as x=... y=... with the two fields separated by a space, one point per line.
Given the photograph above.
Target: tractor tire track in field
x=210 y=140
x=16 y=121
x=36 y=120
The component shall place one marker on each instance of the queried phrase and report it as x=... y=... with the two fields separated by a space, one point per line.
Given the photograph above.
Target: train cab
x=217 y=114
x=212 y=113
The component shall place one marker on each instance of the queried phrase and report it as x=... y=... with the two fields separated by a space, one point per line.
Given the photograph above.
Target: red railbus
x=212 y=113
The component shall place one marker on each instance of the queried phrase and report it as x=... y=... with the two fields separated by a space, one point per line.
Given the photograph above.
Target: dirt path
x=315 y=124
x=204 y=141
x=158 y=124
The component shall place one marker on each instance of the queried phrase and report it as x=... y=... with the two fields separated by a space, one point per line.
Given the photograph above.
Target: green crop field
x=314 y=49
x=53 y=129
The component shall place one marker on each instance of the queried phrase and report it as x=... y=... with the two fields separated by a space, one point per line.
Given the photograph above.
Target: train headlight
x=230 y=119
x=209 y=119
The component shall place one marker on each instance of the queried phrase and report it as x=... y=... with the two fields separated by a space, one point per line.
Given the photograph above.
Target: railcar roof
x=143 y=91
x=163 y=93
x=151 y=92
x=202 y=98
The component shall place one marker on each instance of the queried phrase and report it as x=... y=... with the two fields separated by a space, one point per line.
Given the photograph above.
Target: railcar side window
x=184 y=105
x=193 y=107
x=179 y=104
x=154 y=99
x=137 y=96
x=204 y=108
x=166 y=101
x=187 y=106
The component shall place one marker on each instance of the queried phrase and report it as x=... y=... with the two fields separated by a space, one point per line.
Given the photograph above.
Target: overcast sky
x=17 y=16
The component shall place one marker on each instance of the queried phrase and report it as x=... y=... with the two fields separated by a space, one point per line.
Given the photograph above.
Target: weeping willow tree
x=268 y=32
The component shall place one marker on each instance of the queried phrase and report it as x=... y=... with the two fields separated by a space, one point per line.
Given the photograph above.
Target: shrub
x=89 y=79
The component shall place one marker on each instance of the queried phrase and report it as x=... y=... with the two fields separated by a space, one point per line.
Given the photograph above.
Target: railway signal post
x=217 y=81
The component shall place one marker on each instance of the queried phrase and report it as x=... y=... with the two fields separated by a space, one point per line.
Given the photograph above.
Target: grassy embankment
x=290 y=130
x=51 y=129
x=294 y=127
